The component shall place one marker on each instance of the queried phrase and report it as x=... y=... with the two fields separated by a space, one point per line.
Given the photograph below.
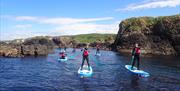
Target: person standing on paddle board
x=136 y=56
x=65 y=48
x=98 y=50
x=85 y=57
x=74 y=49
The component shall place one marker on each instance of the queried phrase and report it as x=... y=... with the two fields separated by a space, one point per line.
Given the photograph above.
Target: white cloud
x=151 y=4
x=23 y=26
x=61 y=26
x=85 y=28
x=29 y=18
x=59 y=21
x=72 y=26
x=18 y=34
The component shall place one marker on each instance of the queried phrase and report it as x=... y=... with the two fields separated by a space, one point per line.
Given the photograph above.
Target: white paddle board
x=86 y=71
x=63 y=60
x=135 y=71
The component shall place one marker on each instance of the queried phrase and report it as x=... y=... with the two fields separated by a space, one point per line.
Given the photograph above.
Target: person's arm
x=133 y=52
x=82 y=49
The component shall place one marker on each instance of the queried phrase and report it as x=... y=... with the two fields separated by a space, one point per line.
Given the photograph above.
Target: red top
x=86 y=53
x=62 y=55
x=137 y=50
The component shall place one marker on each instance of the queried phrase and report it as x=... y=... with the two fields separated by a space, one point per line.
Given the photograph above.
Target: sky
x=29 y=18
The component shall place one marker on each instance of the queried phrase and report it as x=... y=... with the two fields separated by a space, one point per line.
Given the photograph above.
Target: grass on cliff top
x=140 y=23
x=91 y=38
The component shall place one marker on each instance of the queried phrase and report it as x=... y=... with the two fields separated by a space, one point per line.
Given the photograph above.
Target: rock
x=42 y=45
x=158 y=36
x=28 y=47
x=9 y=51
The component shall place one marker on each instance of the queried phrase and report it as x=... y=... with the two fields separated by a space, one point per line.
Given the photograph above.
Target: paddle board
x=98 y=54
x=63 y=60
x=135 y=71
x=85 y=72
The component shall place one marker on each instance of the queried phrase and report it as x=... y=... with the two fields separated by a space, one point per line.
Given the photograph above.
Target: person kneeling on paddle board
x=62 y=55
x=85 y=57
x=135 y=56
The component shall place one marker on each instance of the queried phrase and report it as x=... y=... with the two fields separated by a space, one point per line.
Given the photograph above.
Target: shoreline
x=122 y=51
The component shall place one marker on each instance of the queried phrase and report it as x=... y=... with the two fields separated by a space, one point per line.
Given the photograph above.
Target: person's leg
x=138 y=60
x=82 y=62
x=98 y=51
x=87 y=60
x=133 y=62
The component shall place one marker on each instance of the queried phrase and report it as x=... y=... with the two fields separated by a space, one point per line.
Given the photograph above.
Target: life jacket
x=85 y=53
x=62 y=55
x=137 y=50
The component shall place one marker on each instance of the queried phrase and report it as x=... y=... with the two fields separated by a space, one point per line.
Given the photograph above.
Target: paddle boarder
x=97 y=49
x=136 y=56
x=85 y=57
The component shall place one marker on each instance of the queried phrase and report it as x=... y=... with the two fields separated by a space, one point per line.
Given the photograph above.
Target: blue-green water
x=47 y=74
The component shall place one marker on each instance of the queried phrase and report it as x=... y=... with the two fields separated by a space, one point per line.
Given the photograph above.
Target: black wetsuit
x=136 y=57
x=74 y=50
x=97 y=51
x=65 y=48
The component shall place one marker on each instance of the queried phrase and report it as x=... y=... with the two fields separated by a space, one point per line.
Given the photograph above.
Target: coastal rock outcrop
x=156 y=35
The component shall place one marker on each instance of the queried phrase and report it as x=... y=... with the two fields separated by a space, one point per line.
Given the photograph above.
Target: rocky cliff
x=156 y=35
x=28 y=47
x=42 y=45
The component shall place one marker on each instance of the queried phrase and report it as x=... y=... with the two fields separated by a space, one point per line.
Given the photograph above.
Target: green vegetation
x=91 y=38
x=144 y=23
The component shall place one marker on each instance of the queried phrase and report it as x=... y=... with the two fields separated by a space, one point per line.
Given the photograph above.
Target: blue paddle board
x=135 y=71
x=86 y=71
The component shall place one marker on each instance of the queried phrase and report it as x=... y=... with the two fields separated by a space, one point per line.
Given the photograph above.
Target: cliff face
x=160 y=35
x=28 y=47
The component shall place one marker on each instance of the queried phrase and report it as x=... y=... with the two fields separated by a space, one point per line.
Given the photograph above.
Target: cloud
x=60 y=21
x=72 y=26
x=29 y=18
x=151 y=4
x=18 y=34
x=85 y=28
x=61 y=26
x=23 y=26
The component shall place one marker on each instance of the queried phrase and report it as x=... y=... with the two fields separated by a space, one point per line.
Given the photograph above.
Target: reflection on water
x=46 y=73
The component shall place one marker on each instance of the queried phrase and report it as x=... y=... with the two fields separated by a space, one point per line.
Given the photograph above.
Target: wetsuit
x=65 y=48
x=74 y=50
x=85 y=57
x=97 y=51
x=136 y=54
